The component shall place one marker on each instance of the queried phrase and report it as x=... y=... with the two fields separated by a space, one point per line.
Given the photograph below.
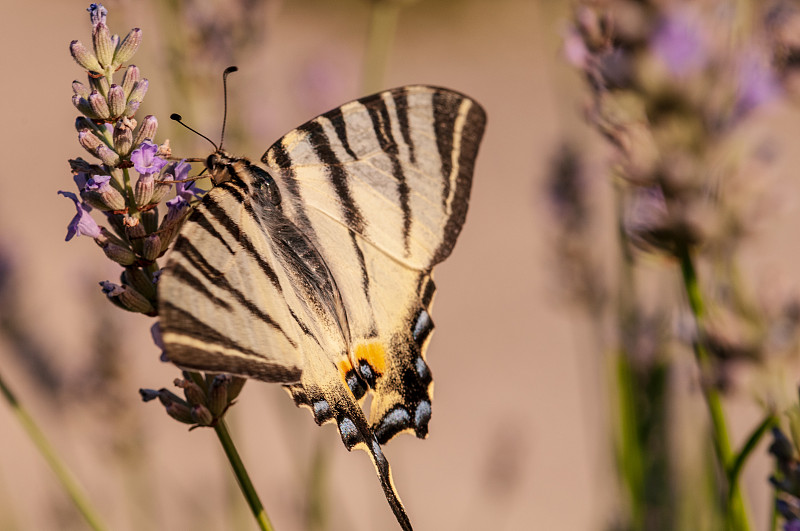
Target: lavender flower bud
x=195 y=395
x=152 y=247
x=110 y=196
x=129 y=79
x=118 y=253
x=103 y=46
x=128 y=298
x=143 y=192
x=109 y=157
x=99 y=105
x=164 y=150
x=116 y=100
x=80 y=165
x=147 y=130
x=128 y=47
x=131 y=108
x=202 y=415
x=140 y=280
x=82 y=104
x=180 y=412
x=134 y=230
x=162 y=189
x=149 y=219
x=100 y=84
x=138 y=91
x=83 y=124
x=89 y=141
x=218 y=394
x=84 y=57
x=80 y=89
x=123 y=136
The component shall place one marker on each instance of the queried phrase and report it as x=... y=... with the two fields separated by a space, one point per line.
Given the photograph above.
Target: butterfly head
x=220 y=166
x=224 y=167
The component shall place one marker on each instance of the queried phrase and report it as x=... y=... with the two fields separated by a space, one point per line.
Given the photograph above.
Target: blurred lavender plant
x=669 y=84
x=786 y=479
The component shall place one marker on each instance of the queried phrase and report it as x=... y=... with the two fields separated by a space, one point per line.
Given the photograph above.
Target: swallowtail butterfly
x=314 y=271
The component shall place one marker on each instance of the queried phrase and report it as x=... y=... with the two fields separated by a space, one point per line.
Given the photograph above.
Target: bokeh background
x=521 y=433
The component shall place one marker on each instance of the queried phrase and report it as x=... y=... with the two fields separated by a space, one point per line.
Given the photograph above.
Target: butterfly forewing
x=329 y=290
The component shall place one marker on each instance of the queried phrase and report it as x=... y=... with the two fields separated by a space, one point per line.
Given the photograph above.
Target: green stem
x=736 y=512
x=382 y=28
x=241 y=476
x=64 y=476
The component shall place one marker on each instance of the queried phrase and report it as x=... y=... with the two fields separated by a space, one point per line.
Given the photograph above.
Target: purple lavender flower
x=175 y=208
x=101 y=183
x=82 y=223
x=680 y=42
x=758 y=83
x=186 y=190
x=145 y=160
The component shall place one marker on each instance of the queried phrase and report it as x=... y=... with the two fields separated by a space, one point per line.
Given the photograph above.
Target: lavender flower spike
x=145 y=160
x=82 y=223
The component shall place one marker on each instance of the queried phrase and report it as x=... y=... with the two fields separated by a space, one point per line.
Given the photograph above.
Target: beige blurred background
x=519 y=436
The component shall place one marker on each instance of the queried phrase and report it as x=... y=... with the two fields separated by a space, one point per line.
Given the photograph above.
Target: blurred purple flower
x=758 y=83
x=575 y=50
x=82 y=223
x=680 y=42
x=145 y=160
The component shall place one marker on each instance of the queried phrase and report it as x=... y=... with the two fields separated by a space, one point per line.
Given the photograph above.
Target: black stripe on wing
x=381 y=124
x=446 y=106
x=336 y=173
x=184 y=323
x=221 y=217
x=401 y=105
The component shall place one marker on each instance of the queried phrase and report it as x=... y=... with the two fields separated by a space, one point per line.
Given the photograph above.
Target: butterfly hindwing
x=383 y=185
x=317 y=272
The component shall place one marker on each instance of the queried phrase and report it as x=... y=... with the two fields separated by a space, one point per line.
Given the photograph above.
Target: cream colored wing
x=381 y=186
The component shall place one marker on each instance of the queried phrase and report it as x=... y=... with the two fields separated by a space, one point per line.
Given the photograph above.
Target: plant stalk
x=65 y=477
x=735 y=509
x=242 y=478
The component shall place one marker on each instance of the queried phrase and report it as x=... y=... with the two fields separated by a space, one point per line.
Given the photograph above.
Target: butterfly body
x=316 y=271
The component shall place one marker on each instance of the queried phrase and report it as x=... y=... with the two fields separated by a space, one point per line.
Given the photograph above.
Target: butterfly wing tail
x=335 y=403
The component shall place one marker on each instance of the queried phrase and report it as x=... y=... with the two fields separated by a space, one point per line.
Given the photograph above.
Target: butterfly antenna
x=178 y=118
x=229 y=70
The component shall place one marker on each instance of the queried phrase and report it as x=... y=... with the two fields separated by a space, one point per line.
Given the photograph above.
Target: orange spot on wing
x=374 y=354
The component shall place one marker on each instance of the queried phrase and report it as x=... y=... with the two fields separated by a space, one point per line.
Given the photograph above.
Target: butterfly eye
x=211 y=161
